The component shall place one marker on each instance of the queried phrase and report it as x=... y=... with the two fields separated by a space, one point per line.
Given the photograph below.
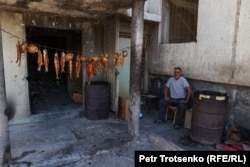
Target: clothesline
x=49 y=47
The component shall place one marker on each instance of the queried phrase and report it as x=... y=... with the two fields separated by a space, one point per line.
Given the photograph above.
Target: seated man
x=177 y=92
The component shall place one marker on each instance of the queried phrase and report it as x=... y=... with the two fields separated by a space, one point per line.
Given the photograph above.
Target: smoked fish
x=57 y=65
x=46 y=59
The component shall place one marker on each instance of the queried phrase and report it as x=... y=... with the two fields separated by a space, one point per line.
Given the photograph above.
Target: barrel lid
x=204 y=94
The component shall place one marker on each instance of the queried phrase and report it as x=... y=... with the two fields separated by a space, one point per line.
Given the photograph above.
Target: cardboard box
x=123 y=111
x=77 y=98
x=188 y=118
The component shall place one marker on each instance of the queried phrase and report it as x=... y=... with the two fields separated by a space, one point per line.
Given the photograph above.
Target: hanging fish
x=62 y=62
x=121 y=59
x=70 y=68
x=69 y=58
x=124 y=53
x=77 y=65
x=95 y=58
x=116 y=58
x=83 y=58
x=32 y=48
x=39 y=60
x=23 y=47
x=57 y=65
x=46 y=59
x=18 y=60
x=89 y=70
x=91 y=67
x=104 y=61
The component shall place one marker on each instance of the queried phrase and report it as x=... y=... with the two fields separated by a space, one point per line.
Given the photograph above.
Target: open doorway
x=47 y=93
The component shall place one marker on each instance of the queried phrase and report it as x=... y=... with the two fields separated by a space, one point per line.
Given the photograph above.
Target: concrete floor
x=70 y=139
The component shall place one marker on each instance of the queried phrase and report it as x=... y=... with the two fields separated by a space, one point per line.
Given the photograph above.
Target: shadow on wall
x=9 y=111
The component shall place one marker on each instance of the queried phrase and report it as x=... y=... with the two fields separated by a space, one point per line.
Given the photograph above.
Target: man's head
x=177 y=72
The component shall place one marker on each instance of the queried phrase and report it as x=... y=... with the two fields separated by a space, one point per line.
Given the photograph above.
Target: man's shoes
x=159 y=121
x=177 y=127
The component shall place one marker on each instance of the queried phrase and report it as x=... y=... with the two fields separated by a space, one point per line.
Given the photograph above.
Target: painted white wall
x=215 y=36
x=15 y=76
x=242 y=59
x=221 y=54
x=153 y=7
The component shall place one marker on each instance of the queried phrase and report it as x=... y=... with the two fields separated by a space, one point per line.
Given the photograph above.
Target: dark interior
x=48 y=94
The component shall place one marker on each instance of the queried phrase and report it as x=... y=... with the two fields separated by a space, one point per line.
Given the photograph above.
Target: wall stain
x=234 y=44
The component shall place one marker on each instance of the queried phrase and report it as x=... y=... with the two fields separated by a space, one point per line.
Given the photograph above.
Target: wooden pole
x=5 y=155
x=137 y=26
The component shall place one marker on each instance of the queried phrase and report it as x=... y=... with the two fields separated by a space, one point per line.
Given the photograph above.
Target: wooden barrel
x=97 y=100
x=209 y=117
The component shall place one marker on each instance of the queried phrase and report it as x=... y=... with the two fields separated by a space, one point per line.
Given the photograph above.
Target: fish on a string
x=39 y=60
x=62 y=62
x=104 y=61
x=83 y=58
x=78 y=65
x=116 y=58
x=23 y=48
x=91 y=67
x=57 y=65
x=46 y=60
x=69 y=58
x=122 y=56
x=31 y=48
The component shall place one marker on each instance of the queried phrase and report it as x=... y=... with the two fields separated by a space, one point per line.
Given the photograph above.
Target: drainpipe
x=5 y=155
x=137 y=26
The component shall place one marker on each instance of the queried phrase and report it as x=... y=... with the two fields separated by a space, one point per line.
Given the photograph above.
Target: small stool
x=149 y=99
x=174 y=109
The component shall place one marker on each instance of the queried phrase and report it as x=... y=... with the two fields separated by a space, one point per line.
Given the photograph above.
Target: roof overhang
x=87 y=9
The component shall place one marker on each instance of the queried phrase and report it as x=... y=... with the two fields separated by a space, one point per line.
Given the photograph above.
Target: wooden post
x=5 y=155
x=137 y=27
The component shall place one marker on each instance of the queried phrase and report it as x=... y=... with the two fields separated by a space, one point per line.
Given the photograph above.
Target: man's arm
x=189 y=91
x=166 y=93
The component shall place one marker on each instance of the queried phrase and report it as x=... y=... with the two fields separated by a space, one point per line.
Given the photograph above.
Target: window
x=183 y=21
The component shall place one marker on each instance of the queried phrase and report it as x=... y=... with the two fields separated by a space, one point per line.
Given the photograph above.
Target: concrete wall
x=220 y=56
x=152 y=10
x=15 y=76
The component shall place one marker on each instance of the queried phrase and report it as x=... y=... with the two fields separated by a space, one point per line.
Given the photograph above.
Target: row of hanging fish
x=92 y=62
x=42 y=59
x=59 y=62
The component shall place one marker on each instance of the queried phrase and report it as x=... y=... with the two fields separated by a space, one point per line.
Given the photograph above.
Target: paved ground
x=70 y=139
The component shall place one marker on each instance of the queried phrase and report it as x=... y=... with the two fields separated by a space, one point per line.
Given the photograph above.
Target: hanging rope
x=92 y=62
x=49 y=47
